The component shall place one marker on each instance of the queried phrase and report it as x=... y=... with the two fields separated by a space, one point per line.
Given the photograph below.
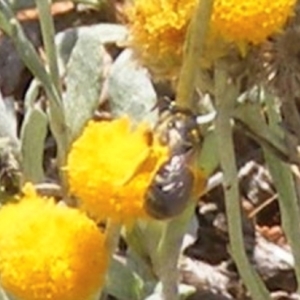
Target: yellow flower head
x=111 y=166
x=250 y=20
x=49 y=251
x=158 y=27
x=158 y=30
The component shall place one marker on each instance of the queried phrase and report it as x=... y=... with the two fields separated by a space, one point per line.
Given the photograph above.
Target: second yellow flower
x=110 y=167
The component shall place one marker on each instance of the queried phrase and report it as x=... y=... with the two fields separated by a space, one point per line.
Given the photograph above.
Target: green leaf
x=21 y=4
x=184 y=292
x=249 y=117
x=131 y=91
x=122 y=283
x=33 y=133
x=83 y=60
x=143 y=239
x=286 y=187
x=26 y=50
x=103 y=33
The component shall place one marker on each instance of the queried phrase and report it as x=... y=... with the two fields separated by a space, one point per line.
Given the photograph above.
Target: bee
x=173 y=184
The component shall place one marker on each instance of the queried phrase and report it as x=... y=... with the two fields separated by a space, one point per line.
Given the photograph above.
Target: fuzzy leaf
x=131 y=91
x=122 y=283
x=33 y=133
x=83 y=60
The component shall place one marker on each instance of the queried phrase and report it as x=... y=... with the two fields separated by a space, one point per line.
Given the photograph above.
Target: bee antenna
x=163 y=104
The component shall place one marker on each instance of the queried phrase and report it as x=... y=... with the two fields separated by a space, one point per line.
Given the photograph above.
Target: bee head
x=178 y=129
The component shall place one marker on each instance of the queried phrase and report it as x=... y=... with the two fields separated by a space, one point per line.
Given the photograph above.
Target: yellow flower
x=250 y=20
x=158 y=28
x=49 y=251
x=111 y=166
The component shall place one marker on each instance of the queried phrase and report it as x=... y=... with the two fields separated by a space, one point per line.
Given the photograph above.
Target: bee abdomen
x=170 y=190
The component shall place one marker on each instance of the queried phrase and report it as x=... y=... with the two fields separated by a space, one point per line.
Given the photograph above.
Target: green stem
x=48 y=32
x=25 y=49
x=56 y=111
x=112 y=232
x=112 y=235
x=194 y=49
x=226 y=94
x=28 y=54
x=285 y=186
x=166 y=257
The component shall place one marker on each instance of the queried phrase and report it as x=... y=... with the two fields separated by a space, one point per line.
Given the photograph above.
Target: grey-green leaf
x=21 y=4
x=122 y=282
x=33 y=134
x=83 y=60
x=131 y=91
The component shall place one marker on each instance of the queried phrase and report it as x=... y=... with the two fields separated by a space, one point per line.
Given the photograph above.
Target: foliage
x=80 y=77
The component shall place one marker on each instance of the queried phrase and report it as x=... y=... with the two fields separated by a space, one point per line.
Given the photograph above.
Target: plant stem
x=112 y=234
x=48 y=32
x=112 y=231
x=28 y=54
x=56 y=111
x=226 y=94
x=165 y=260
x=285 y=186
x=12 y=27
x=166 y=257
x=194 y=48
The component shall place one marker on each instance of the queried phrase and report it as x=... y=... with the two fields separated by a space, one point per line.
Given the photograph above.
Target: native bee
x=171 y=188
